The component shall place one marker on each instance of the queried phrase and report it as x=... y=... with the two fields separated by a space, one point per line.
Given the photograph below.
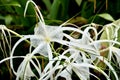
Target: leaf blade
x=106 y=16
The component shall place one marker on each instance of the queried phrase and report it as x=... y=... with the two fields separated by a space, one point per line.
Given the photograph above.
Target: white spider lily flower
x=41 y=41
x=116 y=52
x=24 y=70
x=83 y=44
x=82 y=52
x=110 y=66
x=6 y=40
x=66 y=73
x=67 y=67
x=112 y=50
x=27 y=59
x=80 y=69
x=44 y=33
x=51 y=33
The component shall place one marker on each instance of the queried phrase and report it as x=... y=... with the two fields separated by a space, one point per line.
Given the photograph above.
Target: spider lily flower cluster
x=77 y=55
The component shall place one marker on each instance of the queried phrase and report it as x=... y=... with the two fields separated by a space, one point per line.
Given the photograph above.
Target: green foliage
x=59 y=9
x=106 y=16
x=55 y=12
x=78 y=2
x=12 y=15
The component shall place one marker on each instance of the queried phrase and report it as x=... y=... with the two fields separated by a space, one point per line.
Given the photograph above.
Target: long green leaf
x=106 y=16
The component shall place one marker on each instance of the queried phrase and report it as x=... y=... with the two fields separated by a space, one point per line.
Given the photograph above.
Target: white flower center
x=47 y=39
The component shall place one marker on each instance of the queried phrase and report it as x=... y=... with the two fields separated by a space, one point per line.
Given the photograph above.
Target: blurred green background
x=56 y=12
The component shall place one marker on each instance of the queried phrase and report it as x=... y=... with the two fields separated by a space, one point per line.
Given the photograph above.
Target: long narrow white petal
x=110 y=66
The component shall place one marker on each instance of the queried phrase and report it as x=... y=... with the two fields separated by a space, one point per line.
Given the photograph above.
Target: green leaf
x=78 y=2
x=106 y=16
x=117 y=22
x=8 y=19
x=47 y=4
x=13 y=3
x=59 y=9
